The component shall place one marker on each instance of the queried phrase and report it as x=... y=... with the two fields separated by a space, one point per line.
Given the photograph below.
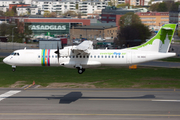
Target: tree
x=131 y=28
x=23 y=33
x=1 y=13
x=123 y=5
x=46 y=13
x=14 y=10
x=53 y=14
x=3 y=29
x=175 y=7
x=77 y=6
x=9 y=13
x=128 y=19
x=70 y=13
x=154 y=7
x=112 y=3
x=129 y=33
x=162 y=7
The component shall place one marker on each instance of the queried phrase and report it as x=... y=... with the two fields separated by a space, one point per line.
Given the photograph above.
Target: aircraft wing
x=83 y=48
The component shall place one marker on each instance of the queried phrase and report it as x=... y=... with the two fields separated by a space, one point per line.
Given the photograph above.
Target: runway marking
x=167 y=100
x=98 y=90
x=76 y=114
x=124 y=99
x=137 y=100
x=8 y=94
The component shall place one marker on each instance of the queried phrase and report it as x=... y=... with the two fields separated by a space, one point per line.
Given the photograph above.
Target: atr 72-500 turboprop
x=84 y=56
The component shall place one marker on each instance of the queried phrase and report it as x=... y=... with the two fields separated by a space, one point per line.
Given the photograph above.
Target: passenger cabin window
x=38 y=56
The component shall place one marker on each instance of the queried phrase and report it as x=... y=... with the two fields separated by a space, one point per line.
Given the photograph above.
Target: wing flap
x=83 y=48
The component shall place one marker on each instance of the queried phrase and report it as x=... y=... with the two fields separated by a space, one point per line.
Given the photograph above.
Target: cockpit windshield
x=15 y=54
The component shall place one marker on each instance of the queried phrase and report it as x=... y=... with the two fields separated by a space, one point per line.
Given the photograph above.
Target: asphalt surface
x=161 y=64
x=90 y=104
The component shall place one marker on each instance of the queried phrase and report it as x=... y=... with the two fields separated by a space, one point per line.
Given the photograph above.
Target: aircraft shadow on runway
x=74 y=96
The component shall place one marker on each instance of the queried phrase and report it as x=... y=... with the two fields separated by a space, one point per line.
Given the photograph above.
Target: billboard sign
x=52 y=28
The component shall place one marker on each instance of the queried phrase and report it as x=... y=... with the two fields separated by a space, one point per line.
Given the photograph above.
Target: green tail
x=160 y=42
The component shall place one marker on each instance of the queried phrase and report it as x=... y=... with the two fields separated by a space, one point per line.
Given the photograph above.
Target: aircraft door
x=128 y=58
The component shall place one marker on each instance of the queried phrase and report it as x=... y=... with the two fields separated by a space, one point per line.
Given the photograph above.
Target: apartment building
x=26 y=10
x=154 y=19
x=87 y=7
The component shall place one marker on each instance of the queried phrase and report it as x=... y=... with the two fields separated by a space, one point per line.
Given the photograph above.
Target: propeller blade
x=62 y=46
x=57 y=52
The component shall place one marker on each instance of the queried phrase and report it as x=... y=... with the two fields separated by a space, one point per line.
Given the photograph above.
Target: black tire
x=14 y=69
x=80 y=71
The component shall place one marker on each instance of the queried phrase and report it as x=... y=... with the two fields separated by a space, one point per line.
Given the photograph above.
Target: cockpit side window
x=15 y=54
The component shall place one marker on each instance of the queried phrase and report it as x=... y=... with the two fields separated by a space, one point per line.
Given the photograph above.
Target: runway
x=90 y=104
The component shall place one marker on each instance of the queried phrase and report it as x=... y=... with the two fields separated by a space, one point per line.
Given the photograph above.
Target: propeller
x=57 y=52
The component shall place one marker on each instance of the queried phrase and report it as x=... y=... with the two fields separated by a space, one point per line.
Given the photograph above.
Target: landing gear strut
x=80 y=70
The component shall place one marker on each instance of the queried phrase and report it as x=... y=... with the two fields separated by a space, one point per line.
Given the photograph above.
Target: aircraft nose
x=5 y=60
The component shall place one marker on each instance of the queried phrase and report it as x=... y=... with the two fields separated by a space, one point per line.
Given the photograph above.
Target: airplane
x=84 y=56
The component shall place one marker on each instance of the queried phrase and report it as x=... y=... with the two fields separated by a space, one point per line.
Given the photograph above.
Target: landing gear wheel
x=80 y=71
x=14 y=69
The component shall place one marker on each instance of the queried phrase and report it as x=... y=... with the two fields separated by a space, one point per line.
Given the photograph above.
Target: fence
x=15 y=46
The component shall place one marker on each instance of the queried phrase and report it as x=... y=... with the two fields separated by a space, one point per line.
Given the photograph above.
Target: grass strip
x=101 y=77
x=172 y=59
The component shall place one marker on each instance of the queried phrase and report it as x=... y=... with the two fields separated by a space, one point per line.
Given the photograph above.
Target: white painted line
x=167 y=100
x=8 y=94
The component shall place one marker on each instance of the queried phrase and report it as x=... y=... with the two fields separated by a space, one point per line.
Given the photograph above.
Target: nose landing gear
x=13 y=68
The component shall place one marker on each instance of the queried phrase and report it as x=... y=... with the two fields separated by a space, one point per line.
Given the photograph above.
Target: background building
x=112 y=14
x=52 y=26
x=28 y=10
x=154 y=19
x=93 y=32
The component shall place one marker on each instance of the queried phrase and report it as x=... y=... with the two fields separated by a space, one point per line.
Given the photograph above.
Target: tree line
x=16 y=33
x=165 y=7
x=132 y=32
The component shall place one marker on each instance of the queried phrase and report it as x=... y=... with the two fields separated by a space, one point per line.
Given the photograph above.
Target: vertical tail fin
x=160 y=42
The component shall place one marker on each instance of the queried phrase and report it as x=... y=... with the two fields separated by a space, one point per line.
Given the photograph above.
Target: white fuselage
x=48 y=57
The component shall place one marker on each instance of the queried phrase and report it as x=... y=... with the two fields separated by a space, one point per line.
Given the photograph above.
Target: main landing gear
x=80 y=70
